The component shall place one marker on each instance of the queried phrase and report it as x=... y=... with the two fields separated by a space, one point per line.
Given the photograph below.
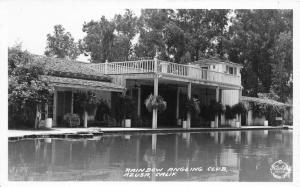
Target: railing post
x=106 y=67
x=156 y=64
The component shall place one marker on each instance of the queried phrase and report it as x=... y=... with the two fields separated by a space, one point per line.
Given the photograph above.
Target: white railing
x=167 y=68
x=141 y=66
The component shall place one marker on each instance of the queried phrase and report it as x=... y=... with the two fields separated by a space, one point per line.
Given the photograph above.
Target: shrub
x=228 y=112
x=192 y=105
x=88 y=101
x=125 y=107
x=239 y=108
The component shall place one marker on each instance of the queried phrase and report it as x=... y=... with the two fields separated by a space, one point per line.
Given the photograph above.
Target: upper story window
x=231 y=70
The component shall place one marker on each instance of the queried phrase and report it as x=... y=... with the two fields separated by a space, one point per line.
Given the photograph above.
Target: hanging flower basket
x=155 y=102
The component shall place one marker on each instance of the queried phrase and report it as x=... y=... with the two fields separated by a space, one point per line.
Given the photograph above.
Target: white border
x=210 y=4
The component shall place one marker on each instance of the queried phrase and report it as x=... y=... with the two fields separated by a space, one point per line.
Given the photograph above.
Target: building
x=206 y=79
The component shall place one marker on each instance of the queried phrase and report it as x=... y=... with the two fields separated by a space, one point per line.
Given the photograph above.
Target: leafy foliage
x=125 y=107
x=261 y=41
x=157 y=102
x=214 y=108
x=25 y=87
x=229 y=114
x=61 y=44
x=87 y=100
x=110 y=40
x=239 y=108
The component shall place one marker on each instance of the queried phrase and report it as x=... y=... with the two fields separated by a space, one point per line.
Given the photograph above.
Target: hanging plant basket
x=155 y=102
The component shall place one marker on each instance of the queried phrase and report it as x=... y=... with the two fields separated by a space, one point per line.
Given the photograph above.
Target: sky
x=29 y=23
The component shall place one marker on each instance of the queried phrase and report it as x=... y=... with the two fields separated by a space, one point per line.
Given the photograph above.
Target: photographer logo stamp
x=280 y=170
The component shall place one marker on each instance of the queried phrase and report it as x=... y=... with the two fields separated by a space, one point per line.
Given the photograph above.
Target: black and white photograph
x=100 y=92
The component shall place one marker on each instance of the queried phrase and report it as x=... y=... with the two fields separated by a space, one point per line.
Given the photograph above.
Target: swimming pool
x=249 y=155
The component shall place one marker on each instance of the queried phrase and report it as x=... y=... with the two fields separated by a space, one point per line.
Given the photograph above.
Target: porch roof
x=264 y=101
x=215 y=60
x=66 y=82
x=69 y=69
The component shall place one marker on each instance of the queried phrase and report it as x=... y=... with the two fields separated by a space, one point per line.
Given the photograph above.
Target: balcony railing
x=166 y=68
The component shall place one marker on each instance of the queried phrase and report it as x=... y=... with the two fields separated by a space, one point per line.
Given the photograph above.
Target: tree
x=181 y=33
x=61 y=44
x=26 y=91
x=282 y=69
x=255 y=36
x=110 y=40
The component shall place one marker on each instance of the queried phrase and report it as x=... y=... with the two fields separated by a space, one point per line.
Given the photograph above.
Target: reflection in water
x=246 y=155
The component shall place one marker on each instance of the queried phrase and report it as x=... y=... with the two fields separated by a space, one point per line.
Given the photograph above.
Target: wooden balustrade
x=167 y=68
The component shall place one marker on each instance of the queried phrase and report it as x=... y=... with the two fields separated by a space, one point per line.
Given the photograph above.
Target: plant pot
x=212 y=124
x=184 y=124
x=48 y=123
x=179 y=122
x=127 y=123
x=232 y=123
x=266 y=123
x=237 y=124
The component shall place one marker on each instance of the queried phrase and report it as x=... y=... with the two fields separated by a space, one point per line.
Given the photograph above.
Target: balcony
x=168 y=70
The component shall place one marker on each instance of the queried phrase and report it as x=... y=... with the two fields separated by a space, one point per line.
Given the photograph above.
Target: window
x=230 y=70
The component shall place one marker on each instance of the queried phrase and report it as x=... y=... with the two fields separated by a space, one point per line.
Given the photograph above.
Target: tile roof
x=263 y=101
x=68 y=68
x=83 y=84
x=214 y=60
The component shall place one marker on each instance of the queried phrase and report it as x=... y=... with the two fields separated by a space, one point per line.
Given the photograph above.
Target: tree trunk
x=38 y=116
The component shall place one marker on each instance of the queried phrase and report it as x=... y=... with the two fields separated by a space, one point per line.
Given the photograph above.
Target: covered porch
x=64 y=102
x=175 y=93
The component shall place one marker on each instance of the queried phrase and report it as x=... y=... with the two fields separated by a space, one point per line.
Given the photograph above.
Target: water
x=205 y=156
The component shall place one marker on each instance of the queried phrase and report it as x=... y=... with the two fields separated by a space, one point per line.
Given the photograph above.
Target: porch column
x=54 y=107
x=154 y=114
x=240 y=98
x=177 y=103
x=139 y=103
x=217 y=100
x=72 y=102
x=222 y=115
x=189 y=95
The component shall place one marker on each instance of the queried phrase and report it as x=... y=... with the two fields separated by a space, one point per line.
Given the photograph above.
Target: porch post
x=189 y=95
x=217 y=100
x=154 y=115
x=240 y=98
x=139 y=103
x=54 y=107
x=72 y=102
x=177 y=103
x=154 y=112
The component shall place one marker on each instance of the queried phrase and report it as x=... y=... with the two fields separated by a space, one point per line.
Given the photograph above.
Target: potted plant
x=239 y=109
x=215 y=108
x=155 y=102
x=125 y=110
x=193 y=107
x=88 y=102
x=229 y=115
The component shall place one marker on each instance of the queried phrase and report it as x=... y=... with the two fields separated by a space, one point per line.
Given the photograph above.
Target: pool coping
x=78 y=133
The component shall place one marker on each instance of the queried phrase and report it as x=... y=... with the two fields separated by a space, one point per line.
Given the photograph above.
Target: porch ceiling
x=83 y=84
